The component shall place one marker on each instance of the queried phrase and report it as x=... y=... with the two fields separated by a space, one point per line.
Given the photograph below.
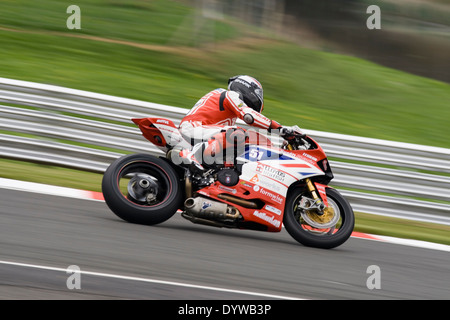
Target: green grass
x=316 y=90
x=52 y=175
x=418 y=12
x=402 y=228
x=156 y=21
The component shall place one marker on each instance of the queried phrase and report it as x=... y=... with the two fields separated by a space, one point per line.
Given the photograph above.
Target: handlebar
x=289 y=133
x=294 y=139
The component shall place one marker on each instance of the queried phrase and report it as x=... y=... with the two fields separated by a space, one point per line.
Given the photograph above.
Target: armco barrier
x=68 y=127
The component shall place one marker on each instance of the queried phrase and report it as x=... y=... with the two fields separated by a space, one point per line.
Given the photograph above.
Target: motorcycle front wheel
x=142 y=189
x=327 y=230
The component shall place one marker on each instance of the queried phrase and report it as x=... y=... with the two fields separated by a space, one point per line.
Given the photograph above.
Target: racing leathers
x=211 y=123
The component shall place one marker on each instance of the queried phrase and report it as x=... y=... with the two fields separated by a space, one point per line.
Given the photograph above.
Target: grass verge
x=131 y=50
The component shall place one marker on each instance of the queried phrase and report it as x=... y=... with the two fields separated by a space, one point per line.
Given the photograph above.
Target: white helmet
x=250 y=91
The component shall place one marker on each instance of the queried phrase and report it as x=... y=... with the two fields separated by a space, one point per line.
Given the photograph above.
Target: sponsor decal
x=309 y=157
x=274 y=197
x=273 y=209
x=245 y=83
x=221 y=187
x=162 y=121
x=255 y=179
x=291 y=154
x=263 y=117
x=245 y=184
x=266 y=218
x=206 y=205
x=271 y=172
x=271 y=185
x=256 y=188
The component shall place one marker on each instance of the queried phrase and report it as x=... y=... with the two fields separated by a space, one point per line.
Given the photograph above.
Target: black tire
x=326 y=238
x=166 y=194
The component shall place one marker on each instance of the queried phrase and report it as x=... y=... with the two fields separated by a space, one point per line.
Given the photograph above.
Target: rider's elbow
x=248 y=118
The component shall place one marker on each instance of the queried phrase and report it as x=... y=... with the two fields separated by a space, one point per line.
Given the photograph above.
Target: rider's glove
x=286 y=131
x=291 y=132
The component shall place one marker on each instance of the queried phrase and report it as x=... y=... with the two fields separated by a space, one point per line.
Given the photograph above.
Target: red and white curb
x=50 y=190
x=98 y=196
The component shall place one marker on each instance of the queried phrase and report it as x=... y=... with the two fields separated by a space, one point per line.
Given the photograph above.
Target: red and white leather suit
x=216 y=112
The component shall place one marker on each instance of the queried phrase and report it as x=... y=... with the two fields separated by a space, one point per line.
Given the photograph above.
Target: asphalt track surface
x=42 y=235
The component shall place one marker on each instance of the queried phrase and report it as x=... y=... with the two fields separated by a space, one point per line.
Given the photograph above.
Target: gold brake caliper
x=328 y=212
x=327 y=216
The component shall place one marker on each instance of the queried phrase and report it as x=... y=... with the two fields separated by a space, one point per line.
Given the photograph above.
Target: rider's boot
x=188 y=158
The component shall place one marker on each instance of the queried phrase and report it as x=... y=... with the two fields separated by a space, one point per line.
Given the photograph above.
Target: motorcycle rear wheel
x=298 y=225
x=142 y=189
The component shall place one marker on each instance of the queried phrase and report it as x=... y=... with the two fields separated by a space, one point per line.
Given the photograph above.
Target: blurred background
x=321 y=67
x=414 y=36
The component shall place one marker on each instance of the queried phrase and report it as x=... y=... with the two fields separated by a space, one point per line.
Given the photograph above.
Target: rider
x=210 y=125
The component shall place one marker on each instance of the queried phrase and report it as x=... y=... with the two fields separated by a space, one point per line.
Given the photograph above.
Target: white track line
x=148 y=280
x=49 y=189
x=414 y=243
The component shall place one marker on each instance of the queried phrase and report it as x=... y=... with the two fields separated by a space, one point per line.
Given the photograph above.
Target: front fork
x=320 y=202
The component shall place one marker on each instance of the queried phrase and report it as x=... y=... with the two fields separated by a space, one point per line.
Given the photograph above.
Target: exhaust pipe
x=238 y=201
x=207 y=208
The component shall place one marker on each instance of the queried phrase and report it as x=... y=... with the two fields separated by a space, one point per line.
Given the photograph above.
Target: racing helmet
x=249 y=89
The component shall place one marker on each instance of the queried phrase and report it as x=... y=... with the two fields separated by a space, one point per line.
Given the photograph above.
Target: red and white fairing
x=161 y=132
x=267 y=174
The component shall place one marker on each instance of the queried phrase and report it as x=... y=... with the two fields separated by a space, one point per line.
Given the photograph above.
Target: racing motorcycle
x=262 y=186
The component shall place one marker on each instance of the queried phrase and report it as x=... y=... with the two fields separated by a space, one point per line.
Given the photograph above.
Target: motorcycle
x=260 y=187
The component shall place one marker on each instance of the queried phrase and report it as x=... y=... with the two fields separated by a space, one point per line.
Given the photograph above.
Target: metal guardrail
x=54 y=117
